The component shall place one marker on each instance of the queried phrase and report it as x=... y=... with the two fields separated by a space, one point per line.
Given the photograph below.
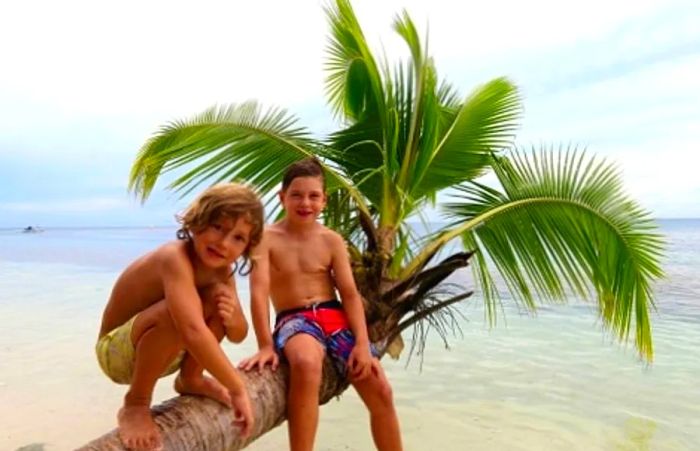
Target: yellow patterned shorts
x=116 y=354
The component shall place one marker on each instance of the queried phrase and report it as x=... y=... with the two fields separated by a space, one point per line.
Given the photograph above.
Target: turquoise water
x=551 y=381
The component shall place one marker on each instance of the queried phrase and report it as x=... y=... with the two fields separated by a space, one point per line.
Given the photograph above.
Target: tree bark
x=193 y=423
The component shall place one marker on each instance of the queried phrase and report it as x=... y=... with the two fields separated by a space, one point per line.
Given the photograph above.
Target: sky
x=84 y=84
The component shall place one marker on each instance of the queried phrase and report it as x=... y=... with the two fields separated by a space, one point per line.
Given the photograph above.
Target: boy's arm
x=345 y=283
x=260 y=294
x=185 y=308
x=230 y=311
x=260 y=308
x=360 y=359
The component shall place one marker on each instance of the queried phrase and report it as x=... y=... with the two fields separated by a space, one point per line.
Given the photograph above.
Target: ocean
x=554 y=380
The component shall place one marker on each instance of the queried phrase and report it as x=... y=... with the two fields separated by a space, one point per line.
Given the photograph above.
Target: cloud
x=84 y=83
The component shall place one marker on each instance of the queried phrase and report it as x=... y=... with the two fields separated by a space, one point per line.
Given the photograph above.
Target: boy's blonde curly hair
x=230 y=200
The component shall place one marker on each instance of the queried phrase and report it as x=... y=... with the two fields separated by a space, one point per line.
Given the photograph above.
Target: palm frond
x=399 y=89
x=353 y=81
x=563 y=224
x=436 y=312
x=235 y=142
x=484 y=124
x=422 y=127
x=449 y=97
x=357 y=150
x=342 y=216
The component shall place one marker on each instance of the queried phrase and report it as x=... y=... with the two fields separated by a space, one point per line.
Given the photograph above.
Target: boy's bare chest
x=300 y=257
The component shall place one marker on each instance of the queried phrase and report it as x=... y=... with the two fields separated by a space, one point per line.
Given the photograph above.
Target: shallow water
x=552 y=381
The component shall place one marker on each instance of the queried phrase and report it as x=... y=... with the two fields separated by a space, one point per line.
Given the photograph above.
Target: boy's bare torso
x=141 y=283
x=300 y=266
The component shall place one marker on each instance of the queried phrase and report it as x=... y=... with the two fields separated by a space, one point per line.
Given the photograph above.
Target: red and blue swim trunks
x=327 y=323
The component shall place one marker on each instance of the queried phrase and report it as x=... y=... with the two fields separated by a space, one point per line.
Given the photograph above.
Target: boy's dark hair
x=230 y=200
x=308 y=167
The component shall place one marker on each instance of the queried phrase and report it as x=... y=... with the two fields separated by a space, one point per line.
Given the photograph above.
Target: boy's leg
x=375 y=392
x=191 y=380
x=305 y=356
x=156 y=345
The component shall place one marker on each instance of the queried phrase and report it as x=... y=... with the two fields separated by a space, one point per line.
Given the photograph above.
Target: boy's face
x=222 y=242
x=304 y=199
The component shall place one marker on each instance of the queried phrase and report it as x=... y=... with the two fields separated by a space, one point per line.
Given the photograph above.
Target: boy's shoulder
x=172 y=248
x=271 y=233
x=330 y=238
x=329 y=234
x=176 y=259
x=173 y=252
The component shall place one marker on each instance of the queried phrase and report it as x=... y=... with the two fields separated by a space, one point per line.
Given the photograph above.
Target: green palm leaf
x=223 y=143
x=356 y=149
x=353 y=81
x=418 y=120
x=236 y=142
x=484 y=124
x=563 y=223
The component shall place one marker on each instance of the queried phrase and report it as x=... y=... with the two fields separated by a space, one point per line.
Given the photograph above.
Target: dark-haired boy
x=307 y=262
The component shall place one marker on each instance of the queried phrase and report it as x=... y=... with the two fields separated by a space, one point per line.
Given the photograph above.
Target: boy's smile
x=214 y=253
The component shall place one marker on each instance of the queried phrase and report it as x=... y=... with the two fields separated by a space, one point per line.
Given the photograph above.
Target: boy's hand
x=242 y=413
x=260 y=359
x=226 y=305
x=359 y=362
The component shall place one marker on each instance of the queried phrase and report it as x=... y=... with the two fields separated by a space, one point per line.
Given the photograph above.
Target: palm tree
x=557 y=224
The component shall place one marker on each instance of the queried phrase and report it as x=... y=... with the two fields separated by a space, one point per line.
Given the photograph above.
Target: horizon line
x=151 y=226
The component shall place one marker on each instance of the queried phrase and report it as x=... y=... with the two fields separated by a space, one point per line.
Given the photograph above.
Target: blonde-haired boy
x=170 y=308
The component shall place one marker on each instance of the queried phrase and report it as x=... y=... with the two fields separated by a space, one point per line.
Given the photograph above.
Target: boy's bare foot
x=203 y=386
x=137 y=430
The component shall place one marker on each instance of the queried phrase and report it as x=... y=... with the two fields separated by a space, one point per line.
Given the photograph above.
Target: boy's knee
x=161 y=320
x=378 y=395
x=308 y=366
x=385 y=393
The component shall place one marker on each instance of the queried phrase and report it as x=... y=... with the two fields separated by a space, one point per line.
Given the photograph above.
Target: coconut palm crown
x=557 y=225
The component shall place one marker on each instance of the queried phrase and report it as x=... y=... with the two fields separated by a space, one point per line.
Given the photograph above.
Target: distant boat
x=31 y=229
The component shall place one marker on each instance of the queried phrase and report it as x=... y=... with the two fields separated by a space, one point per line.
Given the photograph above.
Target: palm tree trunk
x=192 y=423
